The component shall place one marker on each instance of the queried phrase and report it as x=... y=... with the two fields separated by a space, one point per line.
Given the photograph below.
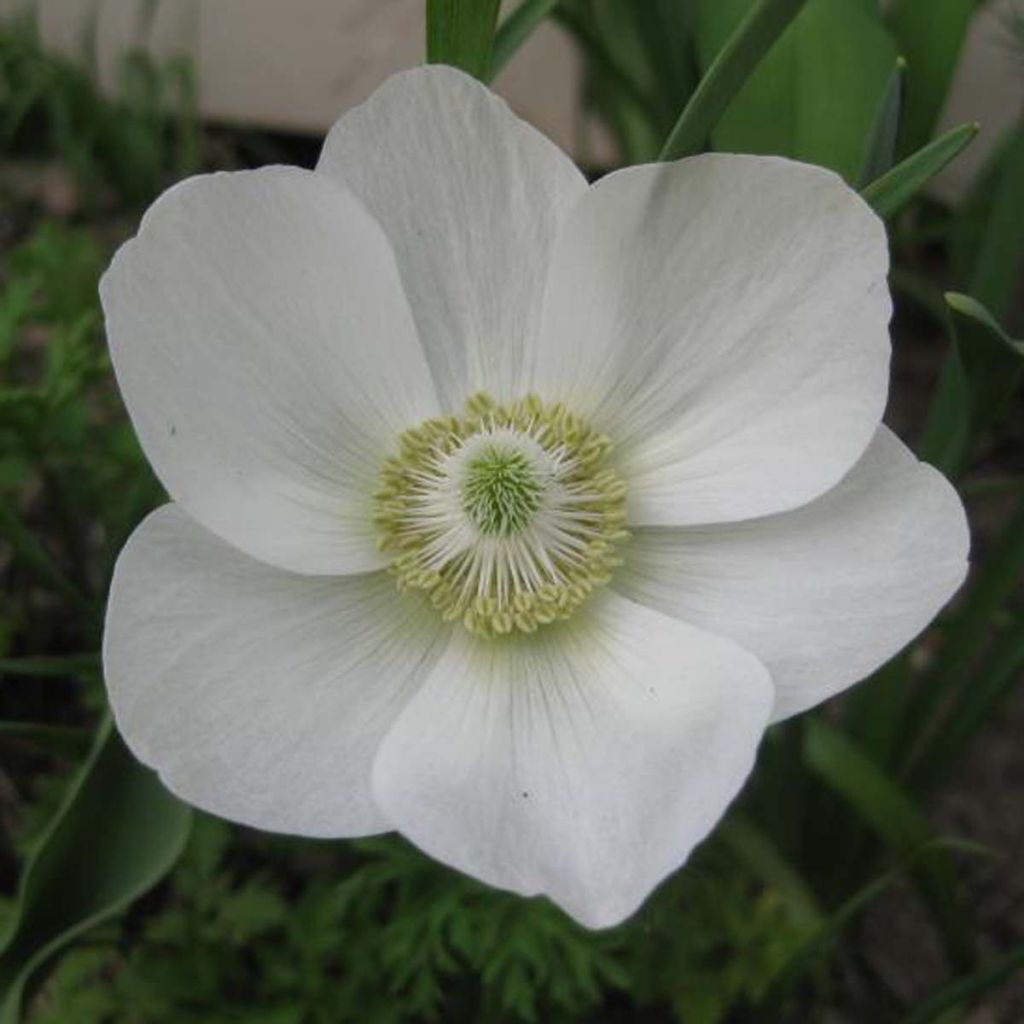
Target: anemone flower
x=507 y=511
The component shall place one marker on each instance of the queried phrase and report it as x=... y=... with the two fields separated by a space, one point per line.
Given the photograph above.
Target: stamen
x=505 y=515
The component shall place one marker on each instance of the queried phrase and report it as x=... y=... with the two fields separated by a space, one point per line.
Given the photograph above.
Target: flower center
x=501 y=492
x=506 y=515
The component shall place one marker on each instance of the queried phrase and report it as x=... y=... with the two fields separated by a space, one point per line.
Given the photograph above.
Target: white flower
x=443 y=371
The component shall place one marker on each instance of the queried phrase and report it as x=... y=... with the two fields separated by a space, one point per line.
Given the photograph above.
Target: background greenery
x=827 y=894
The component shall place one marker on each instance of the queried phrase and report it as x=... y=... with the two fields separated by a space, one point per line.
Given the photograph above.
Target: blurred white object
x=297 y=65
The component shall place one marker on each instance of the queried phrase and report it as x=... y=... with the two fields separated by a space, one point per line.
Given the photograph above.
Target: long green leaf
x=816 y=94
x=731 y=68
x=983 y=368
x=116 y=834
x=890 y=193
x=964 y=990
x=998 y=578
x=61 y=666
x=992 y=360
x=946 y=438
x=891 y=813
x=516 y=29
x=973 y=706
x=759 y=854
x=806 y=955
x=30 y=550
x=461 y=33
x=881 y=149
x=988 y=243
x=931 y=36
x=62 y=739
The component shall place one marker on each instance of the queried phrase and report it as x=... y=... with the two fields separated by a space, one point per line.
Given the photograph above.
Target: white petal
x=582 y=763
x=724 y=320
x=471 y=199
x=268 y=359
x=257 y=694
x=822 y=595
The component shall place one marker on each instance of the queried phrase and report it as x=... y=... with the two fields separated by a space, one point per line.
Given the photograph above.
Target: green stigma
x=501 y=491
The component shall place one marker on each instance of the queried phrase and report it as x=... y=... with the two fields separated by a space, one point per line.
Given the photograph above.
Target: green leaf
x=988 y=243
x=116 y=834
x=947 y=430
x=62 y=739
x=881 y=151
x=30 y=550
x=461 y=33
x=759 y=854
x=516 y=29
x=889 y=193
x=816 y=95
x=972 y=707
x=65 y=665
x=806 y=955
x=931 y=36
x=963 y=990
x=992 y=360
x=891 y=813
x=995 y=581
x=730 y=69
x=979 y=376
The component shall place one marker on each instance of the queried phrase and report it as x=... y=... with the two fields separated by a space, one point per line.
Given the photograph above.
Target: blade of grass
x=753 y=38
x=756 y=851
x=993 y=361
x=972 y=707
x=983 y=367
x=963 y=990
x=461 y=33
x=889 y=193
x=998 y=578
x=28 y=548
x=806 y=955
x=516 y=29
x=604 y=59
x=65 y=665
x=63 y=739
x=988 y=244
x=891 y=813
x=931 y=36
x=881 y=148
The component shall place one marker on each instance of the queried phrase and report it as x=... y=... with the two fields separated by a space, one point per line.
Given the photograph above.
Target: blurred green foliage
x=765 y=924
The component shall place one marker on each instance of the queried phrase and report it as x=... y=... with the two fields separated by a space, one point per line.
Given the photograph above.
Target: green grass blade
x=815 y=97
x=756 y=851
x=61 y=666
x=892 y=814
x=992 y=360
x=61 y=739
x=116 y=834
x=997 y=579
x=931 y=36
x=28 y=548
x=946 y=438
x=745 y=49
x=881 y=150
x=461 y=33
x=516 y=29
x=964 y=990
x=803 y=959
x=988 y=243
x=890 y=193
x=972 y=707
